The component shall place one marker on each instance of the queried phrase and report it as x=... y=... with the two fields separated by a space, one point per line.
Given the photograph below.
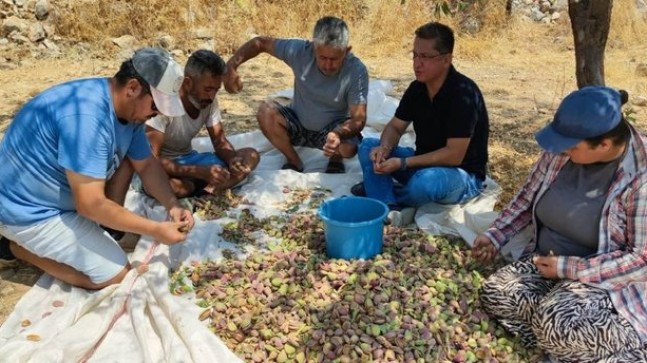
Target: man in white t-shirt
x=191 y=172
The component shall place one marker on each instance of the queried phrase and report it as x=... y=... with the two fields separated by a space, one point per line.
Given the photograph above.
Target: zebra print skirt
x=569 y=320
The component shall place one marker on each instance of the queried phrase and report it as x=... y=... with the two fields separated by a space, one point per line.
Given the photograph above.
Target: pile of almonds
x=415 y=302
x=216 y=205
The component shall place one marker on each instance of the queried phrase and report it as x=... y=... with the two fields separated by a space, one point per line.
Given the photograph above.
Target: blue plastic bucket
x=353 y=226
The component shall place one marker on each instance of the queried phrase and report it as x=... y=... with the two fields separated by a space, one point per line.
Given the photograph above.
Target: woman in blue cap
x=578 y=292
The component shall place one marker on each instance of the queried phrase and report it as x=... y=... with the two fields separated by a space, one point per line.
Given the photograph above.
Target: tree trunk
x=590 y=21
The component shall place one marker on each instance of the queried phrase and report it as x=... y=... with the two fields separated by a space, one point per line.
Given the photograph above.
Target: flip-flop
x=335 y=167
x=290 y=166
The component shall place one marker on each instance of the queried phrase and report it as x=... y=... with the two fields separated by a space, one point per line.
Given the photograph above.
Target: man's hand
x=378 y=155
x=215 y=174
x=170 y=233
x=238 y=165
x=547 y=266
x=233 y=83
x=388 y=166
x=331 y=147
x=483 y=249
x=179 y=214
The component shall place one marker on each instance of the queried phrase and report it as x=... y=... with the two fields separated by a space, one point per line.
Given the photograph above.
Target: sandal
x=290 y=166
x=335 y=167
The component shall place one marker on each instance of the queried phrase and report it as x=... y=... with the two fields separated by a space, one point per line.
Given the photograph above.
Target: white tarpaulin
x=140 y=320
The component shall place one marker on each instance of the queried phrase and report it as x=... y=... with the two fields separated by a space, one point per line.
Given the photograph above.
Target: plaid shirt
x=620 y=265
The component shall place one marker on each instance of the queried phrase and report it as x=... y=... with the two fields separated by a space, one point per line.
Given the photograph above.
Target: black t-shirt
x=457 y=111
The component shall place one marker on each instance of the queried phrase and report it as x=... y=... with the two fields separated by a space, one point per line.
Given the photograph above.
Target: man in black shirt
x=451 y=124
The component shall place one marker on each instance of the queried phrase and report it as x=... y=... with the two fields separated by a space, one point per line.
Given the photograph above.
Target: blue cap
x=586 y=113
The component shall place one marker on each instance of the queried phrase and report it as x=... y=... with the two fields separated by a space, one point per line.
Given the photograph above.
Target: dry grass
x=524 y=68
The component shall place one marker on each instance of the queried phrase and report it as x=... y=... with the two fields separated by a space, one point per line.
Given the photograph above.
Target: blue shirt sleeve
x=140 y=148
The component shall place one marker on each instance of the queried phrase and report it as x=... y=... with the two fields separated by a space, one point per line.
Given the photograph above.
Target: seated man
x=451 y=123
x=67 y=160
x=170 y=137
x=328 y=110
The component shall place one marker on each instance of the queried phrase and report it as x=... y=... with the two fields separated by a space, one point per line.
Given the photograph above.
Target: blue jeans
x=443 y=185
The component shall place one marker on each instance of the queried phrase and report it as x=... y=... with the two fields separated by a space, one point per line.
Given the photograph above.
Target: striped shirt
x=620 y=265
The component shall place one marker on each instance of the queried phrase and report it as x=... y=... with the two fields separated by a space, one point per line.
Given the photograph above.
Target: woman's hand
x=547 y=266
x=483 y=249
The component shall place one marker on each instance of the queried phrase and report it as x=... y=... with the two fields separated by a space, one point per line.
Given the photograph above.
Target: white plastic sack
x=136 y=321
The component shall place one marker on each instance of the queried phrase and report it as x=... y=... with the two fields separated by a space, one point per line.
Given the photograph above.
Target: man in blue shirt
x=68 y=158
x=328 y=110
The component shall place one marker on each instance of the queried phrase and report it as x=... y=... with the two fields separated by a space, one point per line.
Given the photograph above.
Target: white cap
x=164 y=76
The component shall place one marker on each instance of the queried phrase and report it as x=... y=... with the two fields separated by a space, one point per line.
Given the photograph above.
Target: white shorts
x=73 y=240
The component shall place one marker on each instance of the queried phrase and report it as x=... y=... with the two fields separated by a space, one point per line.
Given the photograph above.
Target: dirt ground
x=522 y=81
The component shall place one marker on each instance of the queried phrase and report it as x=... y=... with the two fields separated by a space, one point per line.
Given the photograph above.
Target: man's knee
x=365 y=147
x=268 y=116
x=182 y=187
x=115 y=280
x=251 y=155
x=347 y=150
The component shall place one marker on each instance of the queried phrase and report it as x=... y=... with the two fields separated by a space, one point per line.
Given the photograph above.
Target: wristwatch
x=403 y=164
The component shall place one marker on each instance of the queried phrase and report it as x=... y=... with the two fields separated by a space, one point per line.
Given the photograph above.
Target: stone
x=641 y=6
x=640 y=101
x=166 y=41
x=202 y=33
x=37 y=32
x=471 y=25
x=177 y=53
x=19 y=3
x=49 y=44
x=207 y=44
x=125 y=41
x=641 y=70
x=30 y=4
x=19 y=38
x=560 y=5
x=41 y=9
x=50 y=28
x=8 y=66
x=536 y=14
x=556 y=15
x=15 y=24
